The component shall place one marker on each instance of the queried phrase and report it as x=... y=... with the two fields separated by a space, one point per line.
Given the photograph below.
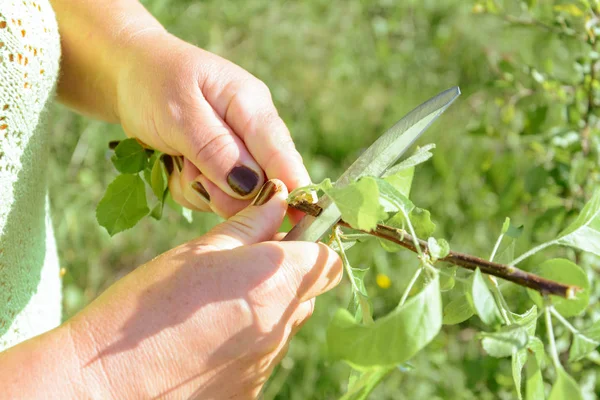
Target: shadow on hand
x=244 y=361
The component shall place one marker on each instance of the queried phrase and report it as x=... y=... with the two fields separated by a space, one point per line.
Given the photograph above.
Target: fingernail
x=266 y=193
x=198 y=188
x=168 y=161
x=242 y=180
x=179 y=162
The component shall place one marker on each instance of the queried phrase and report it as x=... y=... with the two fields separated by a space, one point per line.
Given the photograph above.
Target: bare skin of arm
x=209 y=319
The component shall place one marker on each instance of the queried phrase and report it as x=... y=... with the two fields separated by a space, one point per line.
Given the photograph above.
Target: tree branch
x=506 y=272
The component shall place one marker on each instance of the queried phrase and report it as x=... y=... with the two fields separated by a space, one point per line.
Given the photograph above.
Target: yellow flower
x=383 y=281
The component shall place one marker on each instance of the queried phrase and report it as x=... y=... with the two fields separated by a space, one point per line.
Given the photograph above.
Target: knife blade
x=374 y=161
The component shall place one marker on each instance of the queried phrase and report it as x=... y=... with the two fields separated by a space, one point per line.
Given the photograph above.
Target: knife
x=381 y=155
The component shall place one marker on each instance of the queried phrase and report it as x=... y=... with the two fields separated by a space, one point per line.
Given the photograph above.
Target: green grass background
x=341 y=72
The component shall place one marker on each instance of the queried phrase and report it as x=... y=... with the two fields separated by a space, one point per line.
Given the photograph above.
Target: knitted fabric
x=30 y=285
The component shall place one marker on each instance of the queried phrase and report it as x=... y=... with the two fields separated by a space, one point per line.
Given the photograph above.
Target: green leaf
x=159 y=178
x=457 y=311
x=401 y=180
x=534 y=383
x=392 y=339
x=482 y=300
x=360 y=300
x=438 y=248
x=420 y=155
x=505 y=341
x=363 y=385
x=536 y=346
x=421 y=221
x=448 y=280
x=519 y=358
x=396 y=221
x=581 y=347
x=130 y=157
x=565 y=387
x=359 y=203
x=584 y=232
x=391 y=199
x=505 y=225
x=527 y=320
x=123 y=204
x=564 y=271
x=157 y=211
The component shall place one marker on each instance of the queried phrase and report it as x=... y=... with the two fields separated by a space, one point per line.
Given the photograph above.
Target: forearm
x=46 y=366
x=95 y=36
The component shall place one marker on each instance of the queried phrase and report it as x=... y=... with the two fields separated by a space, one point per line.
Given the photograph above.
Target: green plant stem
x=563 y=321
x=507 y=272
x=410 y=286
x=533 y=251
x=345 y=261
x=498 y=297
x=551 y=341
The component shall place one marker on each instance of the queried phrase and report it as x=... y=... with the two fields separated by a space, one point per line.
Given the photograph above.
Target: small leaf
x=584 y=232
x=536 y=346
x=457 y=311
x=534 y=383
x=421 y=221
x=157 y=211
x=581 y=347
x=564 y=271
x=401 y=180
x=565 y=387
x=421 y=155
x=391 y=199
x=362 y=385
x=159 y=178
x=482 y=300
x=505 y=341
x=359 y=203
x=396 y=221
x=519 y=358
x=123 y=204
x=448 y=280
x=505 y=225
x=130 y=157
x=438 y=248
x=527 y=320
x=392 y=339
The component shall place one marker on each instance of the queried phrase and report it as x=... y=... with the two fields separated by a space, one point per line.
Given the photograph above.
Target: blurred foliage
x=522 y=141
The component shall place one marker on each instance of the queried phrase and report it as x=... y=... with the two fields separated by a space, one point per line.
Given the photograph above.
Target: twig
x=507 y=272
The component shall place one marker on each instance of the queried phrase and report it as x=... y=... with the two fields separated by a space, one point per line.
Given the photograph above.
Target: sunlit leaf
x=564 y=271
x=359 y=204
x=363 y=385
x=565 y=387
x=123 y=204
x=505 y=341
x=392 y=339
x=130 y=157
x=584 y=232
x=457 y=311
x=482 y=300
x=534 y=383
x=438 y=248
x=581 y=347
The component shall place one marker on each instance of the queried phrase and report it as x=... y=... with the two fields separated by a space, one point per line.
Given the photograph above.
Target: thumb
x=256 y=223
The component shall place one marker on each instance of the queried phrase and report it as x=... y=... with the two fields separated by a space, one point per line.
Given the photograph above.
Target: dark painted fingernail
x=179 y=162
x=168 y=161
x=266 y=193
x=242 y=180
x=198 y=188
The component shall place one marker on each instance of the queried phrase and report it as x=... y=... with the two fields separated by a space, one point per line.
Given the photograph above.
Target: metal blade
x=384 y=152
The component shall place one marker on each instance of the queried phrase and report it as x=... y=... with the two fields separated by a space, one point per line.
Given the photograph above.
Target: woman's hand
x=185 y=101
x=209 y=319
x=119 y=64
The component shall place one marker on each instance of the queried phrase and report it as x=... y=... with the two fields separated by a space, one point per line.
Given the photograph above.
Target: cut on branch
x=506 y=272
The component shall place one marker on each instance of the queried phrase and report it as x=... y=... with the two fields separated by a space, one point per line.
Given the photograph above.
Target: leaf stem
x=498 y=297
x=533 y=251
x=410 y=286
x=551 y=341
x=563 y=321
